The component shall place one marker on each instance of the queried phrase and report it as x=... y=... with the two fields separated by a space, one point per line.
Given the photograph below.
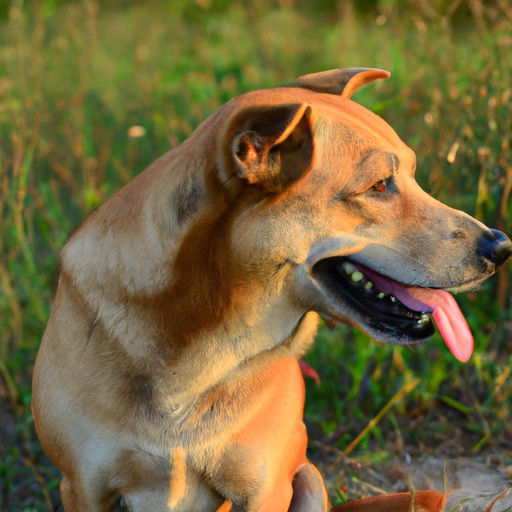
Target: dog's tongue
x=449 y=318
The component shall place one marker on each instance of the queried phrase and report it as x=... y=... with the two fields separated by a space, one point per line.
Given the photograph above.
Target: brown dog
x=167 y=378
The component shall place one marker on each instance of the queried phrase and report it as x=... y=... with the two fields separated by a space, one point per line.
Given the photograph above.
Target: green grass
x=75 y=77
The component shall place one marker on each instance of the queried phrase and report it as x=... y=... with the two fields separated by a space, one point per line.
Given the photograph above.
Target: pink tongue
x=449 y=318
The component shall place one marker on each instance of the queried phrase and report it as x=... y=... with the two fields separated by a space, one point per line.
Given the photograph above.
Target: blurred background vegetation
x=91 y=92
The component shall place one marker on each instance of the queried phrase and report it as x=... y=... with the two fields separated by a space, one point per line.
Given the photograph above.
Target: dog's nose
x=495 y=246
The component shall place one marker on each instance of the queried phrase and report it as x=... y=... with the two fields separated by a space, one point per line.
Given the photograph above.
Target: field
x=91 y=93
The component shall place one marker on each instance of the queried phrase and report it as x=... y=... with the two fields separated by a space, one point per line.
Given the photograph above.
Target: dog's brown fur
x=167 y=378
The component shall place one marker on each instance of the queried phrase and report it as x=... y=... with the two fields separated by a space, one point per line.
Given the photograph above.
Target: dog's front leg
x=263 y=466
x=76 y=499
x=309 y=494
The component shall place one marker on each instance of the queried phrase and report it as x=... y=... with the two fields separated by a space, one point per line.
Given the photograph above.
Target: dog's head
x=328 y=190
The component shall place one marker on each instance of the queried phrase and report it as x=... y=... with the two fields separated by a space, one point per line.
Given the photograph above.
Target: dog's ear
x=271 y=146
x=340 y=81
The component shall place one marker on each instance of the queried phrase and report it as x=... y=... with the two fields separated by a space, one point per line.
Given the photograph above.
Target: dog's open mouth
x=392 y=310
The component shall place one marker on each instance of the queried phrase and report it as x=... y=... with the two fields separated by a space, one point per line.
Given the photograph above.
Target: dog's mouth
x=353 y=284
x=389 y=311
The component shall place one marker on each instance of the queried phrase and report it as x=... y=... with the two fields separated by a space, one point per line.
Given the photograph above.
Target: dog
x=168 y=376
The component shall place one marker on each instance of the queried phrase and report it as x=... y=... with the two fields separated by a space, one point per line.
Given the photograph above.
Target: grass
x=74 y=78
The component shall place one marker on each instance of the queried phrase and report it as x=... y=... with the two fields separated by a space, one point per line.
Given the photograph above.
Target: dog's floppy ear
x=340 y=81
x=270 y=146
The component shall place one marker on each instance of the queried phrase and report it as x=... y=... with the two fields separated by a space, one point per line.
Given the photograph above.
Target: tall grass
x=74 y=78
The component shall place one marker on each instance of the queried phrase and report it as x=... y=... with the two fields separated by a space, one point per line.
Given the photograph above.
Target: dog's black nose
x=495 y=246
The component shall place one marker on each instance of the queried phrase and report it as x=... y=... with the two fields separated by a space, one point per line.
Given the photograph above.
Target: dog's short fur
x=167 y=378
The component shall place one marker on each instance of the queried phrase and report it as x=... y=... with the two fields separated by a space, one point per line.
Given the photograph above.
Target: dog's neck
x=189 y=291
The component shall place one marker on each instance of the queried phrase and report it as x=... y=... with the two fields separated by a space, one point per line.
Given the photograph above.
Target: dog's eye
x=380 y=186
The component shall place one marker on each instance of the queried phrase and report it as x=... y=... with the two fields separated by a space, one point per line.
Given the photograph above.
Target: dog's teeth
x=380 y=295
x=424 y=319
x=356 y=276
x=348 y=267
x=368 y=285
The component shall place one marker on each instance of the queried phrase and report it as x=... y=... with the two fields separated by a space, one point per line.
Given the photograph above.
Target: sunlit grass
x=74 y=80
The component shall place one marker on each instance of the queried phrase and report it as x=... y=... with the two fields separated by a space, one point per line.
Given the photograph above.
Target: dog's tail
x=424 y=501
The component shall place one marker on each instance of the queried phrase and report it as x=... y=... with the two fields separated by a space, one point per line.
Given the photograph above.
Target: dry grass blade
x=406 y=389
x=474 y=501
